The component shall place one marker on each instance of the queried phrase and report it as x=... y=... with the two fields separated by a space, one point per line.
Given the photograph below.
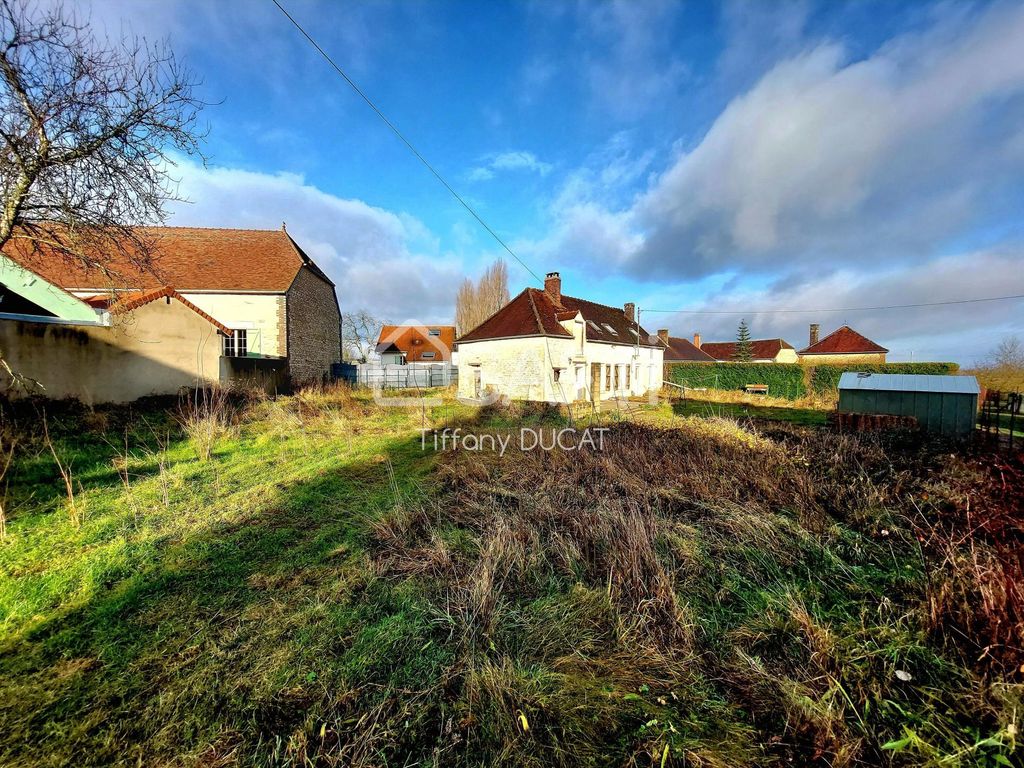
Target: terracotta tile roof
x=844 y=341
x=414 y=340
x=136 y=300
x=683 y=349
x=761 y=349
x=189 y=258
x=534 y=313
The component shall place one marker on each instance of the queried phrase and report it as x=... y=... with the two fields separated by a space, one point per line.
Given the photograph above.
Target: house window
x=610 y=329
x=427 y=355
x=558 y=374
x=236 y=345
x=627 y=377
x=434 y=332
x=607 y=378
x=616 y=378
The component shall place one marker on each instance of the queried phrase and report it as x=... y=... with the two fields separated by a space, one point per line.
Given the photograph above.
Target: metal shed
x=944 y=404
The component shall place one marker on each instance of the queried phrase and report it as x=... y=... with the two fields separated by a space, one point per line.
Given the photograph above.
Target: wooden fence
x=1001 y=416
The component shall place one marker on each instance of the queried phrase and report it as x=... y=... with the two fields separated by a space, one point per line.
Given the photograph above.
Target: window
x=427 y=355
x=236 y=345
x=607 y=378
x=616 y=378
x=434 y=332
x=610 y=329
x=593 y=325
x=558 y=374
x=627 y=377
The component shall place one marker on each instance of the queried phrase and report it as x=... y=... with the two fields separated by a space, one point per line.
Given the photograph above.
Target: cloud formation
x=383 y=261
x=827 y=157
x=509 y=161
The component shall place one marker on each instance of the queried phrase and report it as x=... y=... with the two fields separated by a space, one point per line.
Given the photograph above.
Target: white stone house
x=546 y=346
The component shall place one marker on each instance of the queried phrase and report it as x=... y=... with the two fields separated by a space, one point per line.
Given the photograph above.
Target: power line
x=405 y=141
x=841 y=309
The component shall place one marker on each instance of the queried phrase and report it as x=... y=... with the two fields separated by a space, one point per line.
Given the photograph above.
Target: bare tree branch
x=474 y=303
x=88 y=134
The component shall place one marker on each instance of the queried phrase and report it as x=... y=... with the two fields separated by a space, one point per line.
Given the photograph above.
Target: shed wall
x=946 y=413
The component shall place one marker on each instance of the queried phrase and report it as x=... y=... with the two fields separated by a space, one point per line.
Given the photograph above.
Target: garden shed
x=947 y=405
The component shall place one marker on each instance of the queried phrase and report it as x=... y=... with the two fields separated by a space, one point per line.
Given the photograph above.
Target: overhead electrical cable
x=837 y=309
x=404 y=140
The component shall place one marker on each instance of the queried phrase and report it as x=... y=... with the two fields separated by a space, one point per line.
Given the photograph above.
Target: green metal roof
x=909 y=382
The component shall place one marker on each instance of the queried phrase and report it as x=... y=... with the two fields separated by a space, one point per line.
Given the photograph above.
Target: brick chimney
x=553 y=287
x=696 y=340
x=815 y=328
x=663 y=336
x=630 y=311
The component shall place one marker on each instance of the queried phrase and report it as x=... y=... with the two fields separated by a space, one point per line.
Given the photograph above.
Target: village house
x=415 y=344
x=209 y=300
x=844 y=346
x=546 y=346
x=678 y=350
x=762 y=351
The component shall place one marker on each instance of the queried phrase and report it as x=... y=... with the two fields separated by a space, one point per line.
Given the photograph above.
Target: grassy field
x=295 y=582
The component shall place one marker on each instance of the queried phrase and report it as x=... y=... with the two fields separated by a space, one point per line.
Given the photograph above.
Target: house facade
x=416 y=344
x=844 y=346
x=546 y=346
x=762 y=351
x=259 y=284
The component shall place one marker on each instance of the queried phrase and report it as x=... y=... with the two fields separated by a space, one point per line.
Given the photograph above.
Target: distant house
x=411 y=344
x=257 y=289
x=842 y=347
x=679 y=350
x=762 y=351
x=546 y=346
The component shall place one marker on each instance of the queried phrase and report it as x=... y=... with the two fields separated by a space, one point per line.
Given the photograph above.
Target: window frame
x=231 y=346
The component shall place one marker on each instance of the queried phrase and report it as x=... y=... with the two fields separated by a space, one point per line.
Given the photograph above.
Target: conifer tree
x=744 y=349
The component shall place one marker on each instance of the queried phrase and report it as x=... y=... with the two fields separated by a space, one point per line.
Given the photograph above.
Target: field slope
x=318 y=590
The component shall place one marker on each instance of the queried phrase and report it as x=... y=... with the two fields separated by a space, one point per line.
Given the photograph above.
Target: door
x=595 y=382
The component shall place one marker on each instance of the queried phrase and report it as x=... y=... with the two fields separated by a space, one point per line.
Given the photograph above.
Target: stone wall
x=314 y=328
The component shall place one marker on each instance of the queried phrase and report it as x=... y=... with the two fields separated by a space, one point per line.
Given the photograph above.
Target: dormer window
x=610 y=329
x=434 y=332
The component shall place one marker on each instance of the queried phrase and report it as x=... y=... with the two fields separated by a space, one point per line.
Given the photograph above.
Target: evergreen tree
x=744 y=349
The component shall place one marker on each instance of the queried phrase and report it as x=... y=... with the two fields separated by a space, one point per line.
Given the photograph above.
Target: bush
x=783 y=379
x=825 y=378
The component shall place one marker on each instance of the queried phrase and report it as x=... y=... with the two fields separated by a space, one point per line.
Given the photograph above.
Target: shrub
x=825 y=378
x=783 y=379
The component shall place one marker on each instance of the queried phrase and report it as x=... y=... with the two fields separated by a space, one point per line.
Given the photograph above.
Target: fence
x=398 y=376
x=1001 y=415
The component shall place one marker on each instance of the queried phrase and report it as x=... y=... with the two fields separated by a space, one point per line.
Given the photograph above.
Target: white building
x=545 y=346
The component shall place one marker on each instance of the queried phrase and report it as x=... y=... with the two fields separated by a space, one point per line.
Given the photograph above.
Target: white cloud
x=509 y=161
x=962 y=332
x=827 y=158
x=380 y=260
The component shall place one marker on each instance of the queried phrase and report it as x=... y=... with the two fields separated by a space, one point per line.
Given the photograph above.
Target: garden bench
x=756 y=389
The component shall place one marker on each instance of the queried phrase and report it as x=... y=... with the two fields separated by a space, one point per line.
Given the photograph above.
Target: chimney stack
x=663 y=336
x=814 y=334
x=696 y=340
x=553 y=287
x=630 y=311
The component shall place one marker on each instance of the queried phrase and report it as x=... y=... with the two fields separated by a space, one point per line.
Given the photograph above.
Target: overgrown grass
x=319 y=591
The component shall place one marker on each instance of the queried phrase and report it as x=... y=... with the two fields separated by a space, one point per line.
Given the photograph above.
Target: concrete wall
x=842 y=359
x=156 y=349
x=523 y=369
x=261 y=315
x=314 y=328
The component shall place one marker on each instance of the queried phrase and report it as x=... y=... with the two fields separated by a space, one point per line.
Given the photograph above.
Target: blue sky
x=728 y=157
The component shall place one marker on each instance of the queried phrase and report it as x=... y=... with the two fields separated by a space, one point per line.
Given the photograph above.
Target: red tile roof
x=683 y=349
x=414 y=340
x=844 y=341
x=136 y=300
x=534 y=313
x=189 y=258
x=761 y=349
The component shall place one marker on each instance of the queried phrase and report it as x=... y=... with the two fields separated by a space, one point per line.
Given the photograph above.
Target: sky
x=719 y=158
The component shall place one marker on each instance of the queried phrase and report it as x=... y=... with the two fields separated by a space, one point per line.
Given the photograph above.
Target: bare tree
x=475 y=302
x=87 y=128
x=359 y=333
x=1009 y=353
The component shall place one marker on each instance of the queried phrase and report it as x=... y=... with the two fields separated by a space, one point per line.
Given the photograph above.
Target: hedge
x=789 y=380
x=825 y=378
x=783 y=379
